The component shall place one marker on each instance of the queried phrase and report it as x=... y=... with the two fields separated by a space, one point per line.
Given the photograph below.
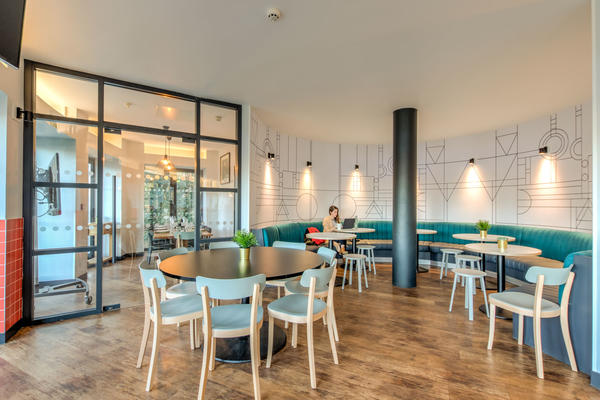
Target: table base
x=500 y=313
x=421 y=270
x=237 y=350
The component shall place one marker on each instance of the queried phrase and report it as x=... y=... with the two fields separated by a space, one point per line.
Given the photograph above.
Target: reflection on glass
x=217 y=214
x=134 y=107
x=65 y=96
x=218 y=164
x=64 y=283
x=65 y=153
x=218 y=121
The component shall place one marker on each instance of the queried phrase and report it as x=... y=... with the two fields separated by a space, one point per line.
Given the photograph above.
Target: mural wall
x=510 y=181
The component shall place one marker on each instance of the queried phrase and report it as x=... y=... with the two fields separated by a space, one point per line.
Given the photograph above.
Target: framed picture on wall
x=225 y=168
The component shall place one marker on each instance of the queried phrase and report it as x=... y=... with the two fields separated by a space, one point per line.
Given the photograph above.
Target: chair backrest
x=230 y=289
x=552 y=276
x=152 y=293
x=186 y=235
x=163 y=255
x=327 y=255
x=322 y=275
x=289 y=245
x=222 y=245
x=148 y=274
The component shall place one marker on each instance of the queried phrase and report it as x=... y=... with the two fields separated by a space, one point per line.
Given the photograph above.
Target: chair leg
x=443 y=265
x=467 y=293
x=192 y=335
x=365 y=273
x=278 y=292
x=470 y=285
x=520 y=334
x=332 y=338
x=564 y=326
x=213 y=350
x=492 y=326
x=351 y=265
x=311 y=354
x=537 y=339
x=335 y=330
x=453 y=290
x=482 y=284
x=154 y=356
x=198 y=332
x=373 y=258
x=144 y=341
x=294 y=335
x=345 y=268
x=270 y=341
x=255 y=359
x=205 y=362
x=358 y=272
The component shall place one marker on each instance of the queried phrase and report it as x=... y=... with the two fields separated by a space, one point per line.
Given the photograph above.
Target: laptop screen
x=349 y=223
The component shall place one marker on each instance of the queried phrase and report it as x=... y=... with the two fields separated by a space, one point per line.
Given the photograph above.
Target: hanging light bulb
x=166 y=162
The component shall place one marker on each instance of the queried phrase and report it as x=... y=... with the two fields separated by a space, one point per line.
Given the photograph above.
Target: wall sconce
x=472 y=161
x=356 y=167
x=309 y=164
x=270 y=157
x=543 y=150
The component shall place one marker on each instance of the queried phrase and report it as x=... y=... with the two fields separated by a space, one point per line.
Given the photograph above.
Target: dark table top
x=275 y=263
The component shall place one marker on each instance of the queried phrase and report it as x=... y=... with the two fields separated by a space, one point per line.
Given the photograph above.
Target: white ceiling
x=335 y=69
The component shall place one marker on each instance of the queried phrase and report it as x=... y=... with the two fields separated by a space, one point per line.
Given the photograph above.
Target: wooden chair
x=279 y=283
x=537 y=307
x=185 y=237
x=231 y=320
x=182 y=288
x=184 y=308
x=223 y=245
x=302 y=309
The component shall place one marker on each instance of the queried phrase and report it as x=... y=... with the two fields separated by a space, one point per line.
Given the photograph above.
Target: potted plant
x=483 y=226
x=245 y=240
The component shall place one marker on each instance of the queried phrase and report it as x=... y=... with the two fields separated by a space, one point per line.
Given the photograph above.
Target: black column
x=404 y=230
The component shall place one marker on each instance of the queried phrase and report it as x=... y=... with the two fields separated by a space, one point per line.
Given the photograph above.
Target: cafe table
x=476 y=237
x=331 y=236
x=276 y=263
x=355 y=231
x=423 y=232
x=512 y=250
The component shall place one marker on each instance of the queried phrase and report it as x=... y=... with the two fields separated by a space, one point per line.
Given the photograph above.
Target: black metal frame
x=29 y=183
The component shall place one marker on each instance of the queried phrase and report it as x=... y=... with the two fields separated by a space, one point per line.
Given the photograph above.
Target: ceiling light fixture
x=356 y=167
x=273 y=14
x=543 y=150
x=309 y=164
x=472 y=161
x=270 y=157
x=166 y=162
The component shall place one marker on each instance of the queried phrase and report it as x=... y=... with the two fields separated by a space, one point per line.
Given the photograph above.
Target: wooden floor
x=394 y=343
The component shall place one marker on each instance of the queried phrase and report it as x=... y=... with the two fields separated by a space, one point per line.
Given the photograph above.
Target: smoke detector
x=273 y=14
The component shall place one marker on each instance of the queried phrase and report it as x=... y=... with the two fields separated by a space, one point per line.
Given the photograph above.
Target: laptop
x=349 y=223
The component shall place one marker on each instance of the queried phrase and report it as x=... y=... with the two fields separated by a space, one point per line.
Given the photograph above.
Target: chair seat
x=181 y=289
x=467 y=257
x=365 y=246
x=355 y=256
x=281 y=282
x=233 y=316
x=296 y=305
x=180 y=306
x=294 y=287
x=451 y=251
x=475 y=273
x=522 y=303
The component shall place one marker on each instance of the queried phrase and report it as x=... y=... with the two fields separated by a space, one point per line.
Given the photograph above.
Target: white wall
x=510 y=182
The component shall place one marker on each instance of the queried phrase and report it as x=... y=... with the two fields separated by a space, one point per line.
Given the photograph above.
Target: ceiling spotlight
x=543 y=150
x=472 y=161
x=273 y=14
x=356 y=167
x=270 y=156
x=309 y=164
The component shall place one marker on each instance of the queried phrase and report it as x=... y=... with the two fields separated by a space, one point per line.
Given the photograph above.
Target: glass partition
x=218 y=121
x=218 y=164
x=65 y=96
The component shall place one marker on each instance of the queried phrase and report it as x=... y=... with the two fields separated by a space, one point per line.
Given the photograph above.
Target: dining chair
x=223 y=245
x=279 y=283
x=167 y=312
x=231 y=320
x=295 y=287
x=305 y=309
x=185 y=237
x=182 y=288
x=535 y=306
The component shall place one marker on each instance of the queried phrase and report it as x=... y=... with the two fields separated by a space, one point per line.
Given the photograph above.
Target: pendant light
x=166 y=162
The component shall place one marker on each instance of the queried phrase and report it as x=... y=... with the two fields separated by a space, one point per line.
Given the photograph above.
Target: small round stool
x=473 y=261
x=470 y=275
x=445 y=260
x=359 y=261
x=369 y=250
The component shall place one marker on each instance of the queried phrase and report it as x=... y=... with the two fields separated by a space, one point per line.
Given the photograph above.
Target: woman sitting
x=330 y=223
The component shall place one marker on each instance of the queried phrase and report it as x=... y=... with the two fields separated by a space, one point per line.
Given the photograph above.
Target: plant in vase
x=245 y=240
x=483 y=227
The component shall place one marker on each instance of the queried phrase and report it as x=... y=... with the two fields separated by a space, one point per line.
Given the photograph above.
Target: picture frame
x=225 y=168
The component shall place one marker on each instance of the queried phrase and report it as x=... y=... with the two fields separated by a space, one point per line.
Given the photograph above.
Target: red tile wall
x=11 y=272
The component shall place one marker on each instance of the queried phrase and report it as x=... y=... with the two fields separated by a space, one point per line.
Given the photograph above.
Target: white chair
x=369 y=251
x=181 y=288
x=357 y=260
x=445 y=260
x=470 y=275
x=279 y=283
x=526 y=305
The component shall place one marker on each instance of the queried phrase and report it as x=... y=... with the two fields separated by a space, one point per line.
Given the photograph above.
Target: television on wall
x=12 y=13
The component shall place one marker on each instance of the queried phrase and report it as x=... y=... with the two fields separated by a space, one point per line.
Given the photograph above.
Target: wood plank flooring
x=394 y=344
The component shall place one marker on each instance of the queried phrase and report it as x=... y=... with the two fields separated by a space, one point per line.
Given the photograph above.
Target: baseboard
x=4 y=337
x=595 y=379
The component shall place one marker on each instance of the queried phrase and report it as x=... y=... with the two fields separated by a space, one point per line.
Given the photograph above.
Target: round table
x=331 y=236
x=355 y=231
x=275 y=263
x=476 y=237
x=511 y=250
x=423 y=232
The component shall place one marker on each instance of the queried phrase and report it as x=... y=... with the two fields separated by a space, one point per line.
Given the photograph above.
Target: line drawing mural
x=511 y=182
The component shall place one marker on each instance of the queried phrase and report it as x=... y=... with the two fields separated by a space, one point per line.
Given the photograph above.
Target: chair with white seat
x=526 y=305
x=185 y=237
x=369 y=251
x=167 y=312
x=181 y=288
x=357 y=260
x=231 y=320
x=446 y=260
x=295 y=287
x=469 y=275
x=223 y=245
x=305 y=309
x=279 y=283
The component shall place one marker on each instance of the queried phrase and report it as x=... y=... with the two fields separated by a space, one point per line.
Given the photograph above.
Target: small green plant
x=483 y=225
x=245 y=239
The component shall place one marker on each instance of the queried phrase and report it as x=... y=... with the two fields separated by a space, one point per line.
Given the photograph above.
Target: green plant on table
x=245 y=239
x=483 y=225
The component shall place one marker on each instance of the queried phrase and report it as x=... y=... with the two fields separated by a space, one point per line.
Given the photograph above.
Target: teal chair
x=185 y=237
x=280 y=283
x=526 y=305
x=223 y=245
x=231 y=320
x=295 y=287
x=182 y=288
x=167 y=312
x=305 y=309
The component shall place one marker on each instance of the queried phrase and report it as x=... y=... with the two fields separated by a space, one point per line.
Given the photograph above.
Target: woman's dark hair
x=332 y=209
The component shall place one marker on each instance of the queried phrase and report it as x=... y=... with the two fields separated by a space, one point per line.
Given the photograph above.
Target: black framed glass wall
x=114 y=170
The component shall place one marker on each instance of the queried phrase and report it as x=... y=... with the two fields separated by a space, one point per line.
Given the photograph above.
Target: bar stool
x=369 y=250
x=470 y=275
x=445 y=260
x=359 y=261
x=473 y=261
